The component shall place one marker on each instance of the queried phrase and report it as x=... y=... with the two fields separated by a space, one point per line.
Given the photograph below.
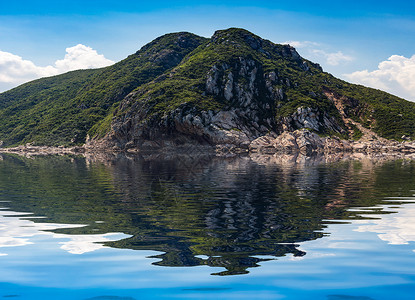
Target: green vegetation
x=389 y=116
x=357 y=133
x=171 y=73
x=61 y=110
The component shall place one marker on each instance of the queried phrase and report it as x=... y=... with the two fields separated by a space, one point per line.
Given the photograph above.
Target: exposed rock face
x=248 y=98
x=247 y=93
x=181 y=126
x=306 y=117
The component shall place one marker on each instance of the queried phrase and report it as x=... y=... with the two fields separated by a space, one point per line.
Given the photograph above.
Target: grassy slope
x=61 y=110
x=388 y=115
x=35 y=110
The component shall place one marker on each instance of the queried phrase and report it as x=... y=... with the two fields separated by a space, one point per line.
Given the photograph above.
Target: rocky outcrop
x=248 y=98
x=301 y=141
x=307 y=142
x=311 y=118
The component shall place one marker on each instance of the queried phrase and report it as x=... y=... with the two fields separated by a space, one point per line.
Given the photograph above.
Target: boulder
x=308 y=142
x=286 y=142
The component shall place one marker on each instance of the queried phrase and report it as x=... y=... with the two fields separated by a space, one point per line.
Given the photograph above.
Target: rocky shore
x=307 y=142
x=299 y=142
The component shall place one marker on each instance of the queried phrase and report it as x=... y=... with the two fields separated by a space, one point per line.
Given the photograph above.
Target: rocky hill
x=232 y=90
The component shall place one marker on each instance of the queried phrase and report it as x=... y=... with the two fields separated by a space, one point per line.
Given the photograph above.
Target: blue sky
x=368 y=42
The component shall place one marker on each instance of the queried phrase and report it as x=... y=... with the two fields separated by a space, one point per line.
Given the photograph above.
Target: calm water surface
x=206 y=228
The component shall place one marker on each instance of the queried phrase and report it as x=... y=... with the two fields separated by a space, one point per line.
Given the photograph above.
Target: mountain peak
x=233 y=32
x=242 y=37
x=237 y=35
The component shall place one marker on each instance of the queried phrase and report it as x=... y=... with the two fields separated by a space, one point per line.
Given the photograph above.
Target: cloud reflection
x=80 y=244
x=16 y=230
x=397 y=228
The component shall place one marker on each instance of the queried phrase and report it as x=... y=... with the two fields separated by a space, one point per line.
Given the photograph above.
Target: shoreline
x=196 y=159
x=302 y=142
x=347 y=149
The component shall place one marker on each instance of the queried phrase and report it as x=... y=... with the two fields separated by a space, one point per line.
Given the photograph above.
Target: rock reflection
x=201 y=209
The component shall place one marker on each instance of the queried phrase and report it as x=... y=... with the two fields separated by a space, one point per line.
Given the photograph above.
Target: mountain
x=230 y=89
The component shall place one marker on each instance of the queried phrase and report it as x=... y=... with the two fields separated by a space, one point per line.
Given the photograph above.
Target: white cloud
x=333 y=58
x=395 y=75
x=15 y=70
x=81 y=57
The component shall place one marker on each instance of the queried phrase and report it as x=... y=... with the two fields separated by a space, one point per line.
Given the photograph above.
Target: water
x=206 y=228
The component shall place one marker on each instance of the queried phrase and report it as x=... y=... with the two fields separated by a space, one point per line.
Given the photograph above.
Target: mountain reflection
x=200 y=210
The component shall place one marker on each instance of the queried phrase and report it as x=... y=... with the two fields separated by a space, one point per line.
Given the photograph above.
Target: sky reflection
x=16 y=229
x=397 y=228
